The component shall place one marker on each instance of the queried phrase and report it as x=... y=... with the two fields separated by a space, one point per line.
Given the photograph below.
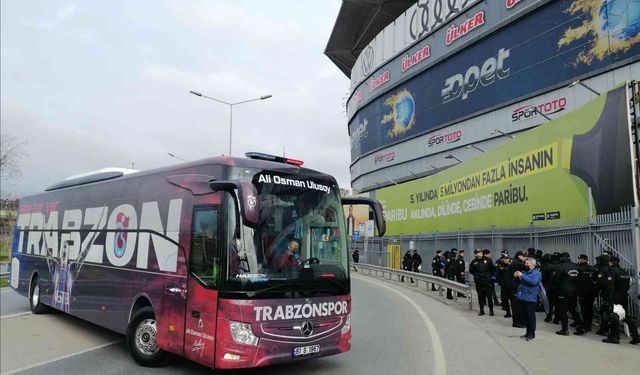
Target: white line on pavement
x=60 y=358
x=15 y=315
x=439 y=363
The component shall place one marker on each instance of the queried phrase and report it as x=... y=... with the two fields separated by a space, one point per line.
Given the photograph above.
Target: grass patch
x=5 y=248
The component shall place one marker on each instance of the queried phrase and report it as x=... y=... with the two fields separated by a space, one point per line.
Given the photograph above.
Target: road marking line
x=61 y=358
x=15 y=315
x=439 y=363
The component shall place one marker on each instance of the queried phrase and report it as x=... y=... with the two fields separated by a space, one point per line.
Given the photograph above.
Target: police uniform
x=600 y=282
x=586 y=294
x=566 y=280
x=481 y=269
x=460 y=271
x=502 y=267
x=616 y=291
x=407 y=264
x=436 y=269
x=450 y=269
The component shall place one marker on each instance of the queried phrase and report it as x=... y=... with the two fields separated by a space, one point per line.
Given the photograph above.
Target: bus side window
x=204 y=256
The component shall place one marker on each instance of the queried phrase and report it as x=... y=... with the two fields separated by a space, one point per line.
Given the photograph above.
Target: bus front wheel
x=37 y=307
x=142 y=339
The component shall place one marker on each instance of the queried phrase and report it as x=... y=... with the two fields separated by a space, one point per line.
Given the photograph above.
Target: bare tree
x=11 y=153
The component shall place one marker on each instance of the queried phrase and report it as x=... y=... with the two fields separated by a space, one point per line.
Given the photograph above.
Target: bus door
x=204 y=276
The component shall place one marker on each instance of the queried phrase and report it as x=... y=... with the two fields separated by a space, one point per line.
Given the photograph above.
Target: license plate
x=305 y=350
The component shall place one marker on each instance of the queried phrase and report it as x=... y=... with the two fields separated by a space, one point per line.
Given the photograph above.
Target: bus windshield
x=299 y=242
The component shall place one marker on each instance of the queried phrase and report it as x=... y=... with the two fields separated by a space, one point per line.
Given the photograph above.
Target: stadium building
x=439 y=82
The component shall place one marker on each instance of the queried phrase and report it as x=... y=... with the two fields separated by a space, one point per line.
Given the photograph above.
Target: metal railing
x=428 y=280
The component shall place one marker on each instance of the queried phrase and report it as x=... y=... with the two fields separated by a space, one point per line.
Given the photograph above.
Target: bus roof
x=110 y=174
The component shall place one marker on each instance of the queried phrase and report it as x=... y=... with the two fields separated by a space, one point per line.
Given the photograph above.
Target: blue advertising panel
x=555 y=44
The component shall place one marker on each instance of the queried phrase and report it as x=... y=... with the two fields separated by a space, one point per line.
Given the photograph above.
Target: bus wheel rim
x=146 y=337
x=35 y=296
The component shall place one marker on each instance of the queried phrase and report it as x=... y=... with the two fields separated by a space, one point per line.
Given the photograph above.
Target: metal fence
x=617 y=232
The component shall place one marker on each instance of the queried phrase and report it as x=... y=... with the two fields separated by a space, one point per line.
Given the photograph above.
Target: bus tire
x=37 y=307
x=142 y=339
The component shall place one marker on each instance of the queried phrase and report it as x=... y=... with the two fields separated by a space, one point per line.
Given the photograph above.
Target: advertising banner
x=543 y=175
x=480 y=131
x=433 y=30
x=551 y=46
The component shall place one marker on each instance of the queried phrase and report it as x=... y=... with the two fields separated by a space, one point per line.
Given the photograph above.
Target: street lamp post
x=263 y=97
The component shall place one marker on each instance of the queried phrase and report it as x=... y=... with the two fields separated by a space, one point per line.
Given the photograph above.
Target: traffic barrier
x=429 y=280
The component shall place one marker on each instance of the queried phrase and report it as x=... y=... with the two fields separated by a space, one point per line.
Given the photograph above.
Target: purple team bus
x=230 y=262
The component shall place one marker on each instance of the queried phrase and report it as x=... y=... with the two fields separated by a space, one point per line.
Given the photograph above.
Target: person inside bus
x=291 y=256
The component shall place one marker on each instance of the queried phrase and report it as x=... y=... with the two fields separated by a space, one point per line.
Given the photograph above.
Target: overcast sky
x=92 y=84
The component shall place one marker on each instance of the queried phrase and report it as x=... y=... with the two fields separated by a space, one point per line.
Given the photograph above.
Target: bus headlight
x=347 y=325
x=242 y=334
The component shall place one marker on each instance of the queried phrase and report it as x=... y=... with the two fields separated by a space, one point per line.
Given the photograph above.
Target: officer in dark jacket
x=517 y=313
x=552 y=292
x=600 y=279
x=615 y=292
x=502 y=266
x=586 y=293
x=460 y=270
x=417 y=261
x=356 y=257
x=437 y=266
x=548 y=268
x=450 y=268
x=481 y=269
x=566 y=280
x=494 y=276
x=407 y=263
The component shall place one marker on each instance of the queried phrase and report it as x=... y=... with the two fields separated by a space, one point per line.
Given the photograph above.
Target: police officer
x=517 y=312
x=356 y=257
x=547 y=282
x=407 y=263
x=586 y=293
x=600 y=280
x=460 y=270
x=417 y=261
x=615 y=292
x=436 y=267
x=481 y=269
x=550 y=265
x=502 y=265
x=494 y=276
x=450 y=268
x=566 y=280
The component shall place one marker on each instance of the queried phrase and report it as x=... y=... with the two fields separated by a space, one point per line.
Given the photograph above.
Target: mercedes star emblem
x=306 y=329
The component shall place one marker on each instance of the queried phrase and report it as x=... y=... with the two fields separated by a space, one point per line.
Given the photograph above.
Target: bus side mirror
x=376 y=208
x=247 y=196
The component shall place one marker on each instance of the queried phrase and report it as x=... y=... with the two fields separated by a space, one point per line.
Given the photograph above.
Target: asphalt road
x=396 y=330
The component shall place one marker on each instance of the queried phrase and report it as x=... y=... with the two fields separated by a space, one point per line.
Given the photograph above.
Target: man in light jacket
x=528 y=295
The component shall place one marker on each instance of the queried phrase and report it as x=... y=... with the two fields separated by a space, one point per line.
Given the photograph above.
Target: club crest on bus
x=119 y=246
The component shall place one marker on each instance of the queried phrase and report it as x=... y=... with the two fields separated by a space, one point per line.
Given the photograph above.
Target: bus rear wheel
x=37 y=307
x=142 y=339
